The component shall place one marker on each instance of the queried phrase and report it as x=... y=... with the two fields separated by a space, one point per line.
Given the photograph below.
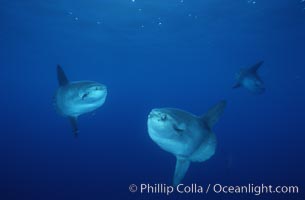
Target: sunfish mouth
x=101 y=87
x=157 y=114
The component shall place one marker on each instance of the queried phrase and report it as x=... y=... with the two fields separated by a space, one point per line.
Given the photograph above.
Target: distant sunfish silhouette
x=188 y=137
x=249 y=79
x=73 y=99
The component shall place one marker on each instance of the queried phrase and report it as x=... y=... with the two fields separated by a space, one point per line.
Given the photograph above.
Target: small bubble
x=160 y=23
x=76 y=18
x=70 y=13
x=98 y=22
x=252 y=1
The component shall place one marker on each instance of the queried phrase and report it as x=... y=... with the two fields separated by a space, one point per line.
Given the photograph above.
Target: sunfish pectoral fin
x=182 y=166
x=179 y=127
x=255 y=67
x=61 y=76
x=73 y=121
x=213 y=115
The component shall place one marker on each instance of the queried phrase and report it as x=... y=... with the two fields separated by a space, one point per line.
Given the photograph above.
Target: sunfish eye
x=163 y=117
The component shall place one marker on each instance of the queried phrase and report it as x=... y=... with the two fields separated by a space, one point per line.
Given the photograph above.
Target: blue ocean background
x=161 y=53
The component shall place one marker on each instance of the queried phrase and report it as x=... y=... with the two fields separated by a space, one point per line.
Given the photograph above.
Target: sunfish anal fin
x=237 y=85
x=182 y=166
x=73 y=121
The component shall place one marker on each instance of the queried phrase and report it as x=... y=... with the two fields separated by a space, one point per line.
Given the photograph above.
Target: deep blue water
x=158 y=53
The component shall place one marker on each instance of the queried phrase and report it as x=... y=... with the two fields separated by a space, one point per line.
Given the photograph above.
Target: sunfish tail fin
x=255 y=67
x=61 y=76
x=182 y=165
x=73 y=121
x=214 y=113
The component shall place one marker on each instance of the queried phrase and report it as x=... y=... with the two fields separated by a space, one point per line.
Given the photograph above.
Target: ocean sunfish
x=190 y=138
x=73 y=99
x=249 y=79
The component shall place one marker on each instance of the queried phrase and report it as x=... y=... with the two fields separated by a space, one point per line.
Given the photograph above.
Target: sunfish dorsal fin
x=214 y=113
x=182 y=165
x=61 y=76
x=255 y=67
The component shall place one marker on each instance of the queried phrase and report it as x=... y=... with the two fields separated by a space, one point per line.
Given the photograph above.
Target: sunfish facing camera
x=249 y=79
x=73 y=99
x=188 y=137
